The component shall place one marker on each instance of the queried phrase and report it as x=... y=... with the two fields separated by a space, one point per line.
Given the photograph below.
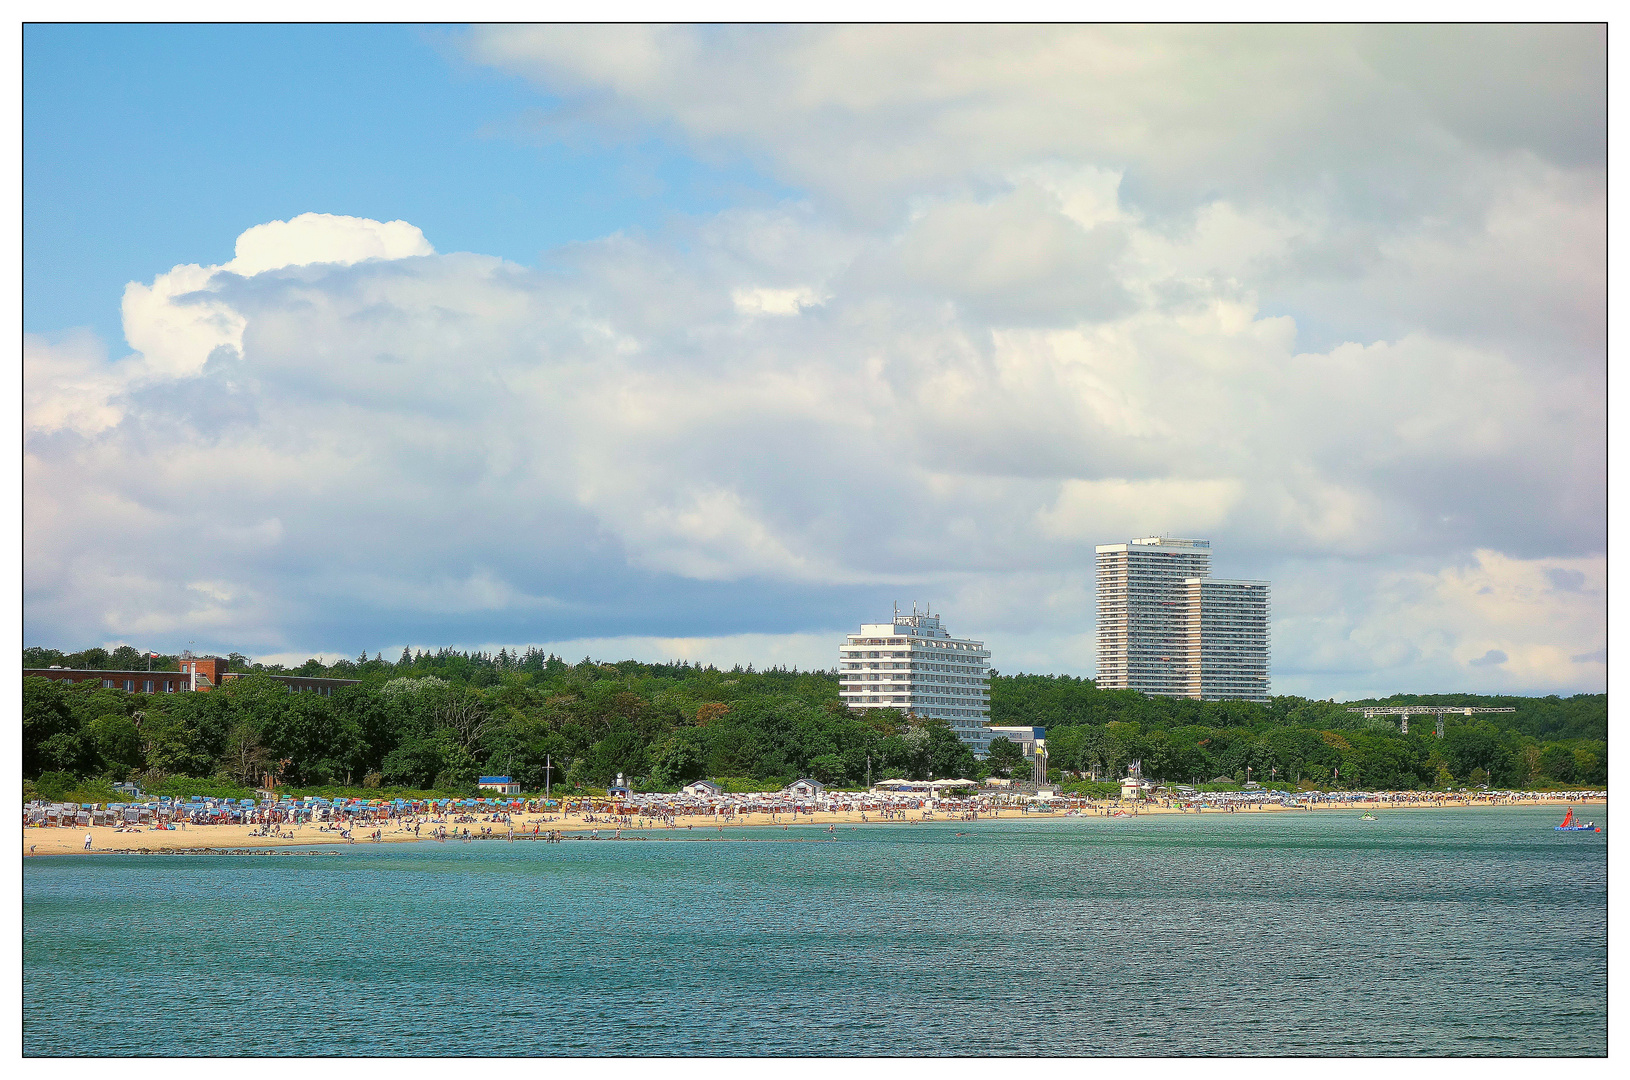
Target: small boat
x=1367 y=817
x=1568 y=825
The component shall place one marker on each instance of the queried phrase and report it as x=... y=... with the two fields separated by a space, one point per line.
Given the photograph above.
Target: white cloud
x=1049 y=288
x=1378 y=115
x=1088 y=510
x=384 y=417
x=1491 y=622
x=324 y=238
x=69 y=384
x=178 y=321
x=775 y=301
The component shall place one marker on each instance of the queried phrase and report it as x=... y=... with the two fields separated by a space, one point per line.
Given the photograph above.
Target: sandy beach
x=105 y=839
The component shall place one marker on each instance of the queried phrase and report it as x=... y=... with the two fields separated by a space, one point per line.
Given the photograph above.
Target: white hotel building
x=1166 y=626
x=914 y=665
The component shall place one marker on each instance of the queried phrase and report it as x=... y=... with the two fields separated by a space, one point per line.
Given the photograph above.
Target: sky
x=716 y=342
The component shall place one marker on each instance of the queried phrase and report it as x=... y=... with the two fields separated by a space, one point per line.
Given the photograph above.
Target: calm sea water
x=1425 y=932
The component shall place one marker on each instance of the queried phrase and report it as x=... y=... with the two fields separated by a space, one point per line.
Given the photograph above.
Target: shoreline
x=240 y=839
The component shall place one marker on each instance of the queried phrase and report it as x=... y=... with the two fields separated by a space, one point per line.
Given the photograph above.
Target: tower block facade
x=1166 y=626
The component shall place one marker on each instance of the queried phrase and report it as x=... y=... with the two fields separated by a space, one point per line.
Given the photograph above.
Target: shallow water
x=1441 y=932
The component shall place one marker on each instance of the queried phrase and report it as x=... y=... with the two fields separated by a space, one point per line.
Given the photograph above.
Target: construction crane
x=1372 y=711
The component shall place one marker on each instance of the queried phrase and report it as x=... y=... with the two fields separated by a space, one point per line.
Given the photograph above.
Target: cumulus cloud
x=180 y=321
x=1009 y=322
x=68 y=385
x=324 y=238
x=892 y=111
x=774 y=301
x=1487 y=620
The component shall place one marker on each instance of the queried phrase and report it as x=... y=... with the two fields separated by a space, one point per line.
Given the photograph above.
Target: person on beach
x=87 y=841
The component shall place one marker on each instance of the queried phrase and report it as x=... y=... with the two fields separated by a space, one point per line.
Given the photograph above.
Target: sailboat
x=1568 y=825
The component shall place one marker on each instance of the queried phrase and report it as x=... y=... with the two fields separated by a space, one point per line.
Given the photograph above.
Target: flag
x=155 y=656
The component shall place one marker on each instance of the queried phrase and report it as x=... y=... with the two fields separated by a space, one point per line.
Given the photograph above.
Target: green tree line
x=437 y=720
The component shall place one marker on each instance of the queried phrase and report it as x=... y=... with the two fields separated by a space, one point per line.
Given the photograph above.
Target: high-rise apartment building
x=1227 y=647
x=1143 y=612
x=913 y=664
x=1166 y=626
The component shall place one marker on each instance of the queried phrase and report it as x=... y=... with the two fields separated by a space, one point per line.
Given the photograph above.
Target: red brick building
x=137 y=682
x=197 y=673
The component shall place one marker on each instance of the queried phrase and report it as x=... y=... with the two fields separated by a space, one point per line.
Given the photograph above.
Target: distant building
x=1032 y=740
x=201 y=673
x=503 y=785
x=206 y=672
x=804 y=789
x=1166 y=626
x=135 y=682
x=1226 y=653
x=1025 y=737
x=913 y=664
x=701 y=789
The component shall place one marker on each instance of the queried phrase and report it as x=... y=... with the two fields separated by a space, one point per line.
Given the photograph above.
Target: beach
x=535 y=827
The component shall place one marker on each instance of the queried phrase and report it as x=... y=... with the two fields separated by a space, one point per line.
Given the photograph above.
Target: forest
x=434 y=721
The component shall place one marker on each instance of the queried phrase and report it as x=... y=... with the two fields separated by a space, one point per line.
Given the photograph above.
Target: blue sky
x=715 y=342
x=148 y=146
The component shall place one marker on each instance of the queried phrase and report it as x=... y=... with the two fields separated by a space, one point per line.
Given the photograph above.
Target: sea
x=1425 y=932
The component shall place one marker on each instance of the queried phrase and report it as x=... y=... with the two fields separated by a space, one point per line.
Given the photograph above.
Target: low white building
x=701 y=789
x=1031 y=740
x=1024 y=737
x=804 y=788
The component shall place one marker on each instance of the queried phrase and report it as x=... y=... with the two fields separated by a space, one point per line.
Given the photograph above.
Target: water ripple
x=1427 y=932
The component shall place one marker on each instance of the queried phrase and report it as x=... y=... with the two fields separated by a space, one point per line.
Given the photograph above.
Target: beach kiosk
x=702 y=789
x=503 y=785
